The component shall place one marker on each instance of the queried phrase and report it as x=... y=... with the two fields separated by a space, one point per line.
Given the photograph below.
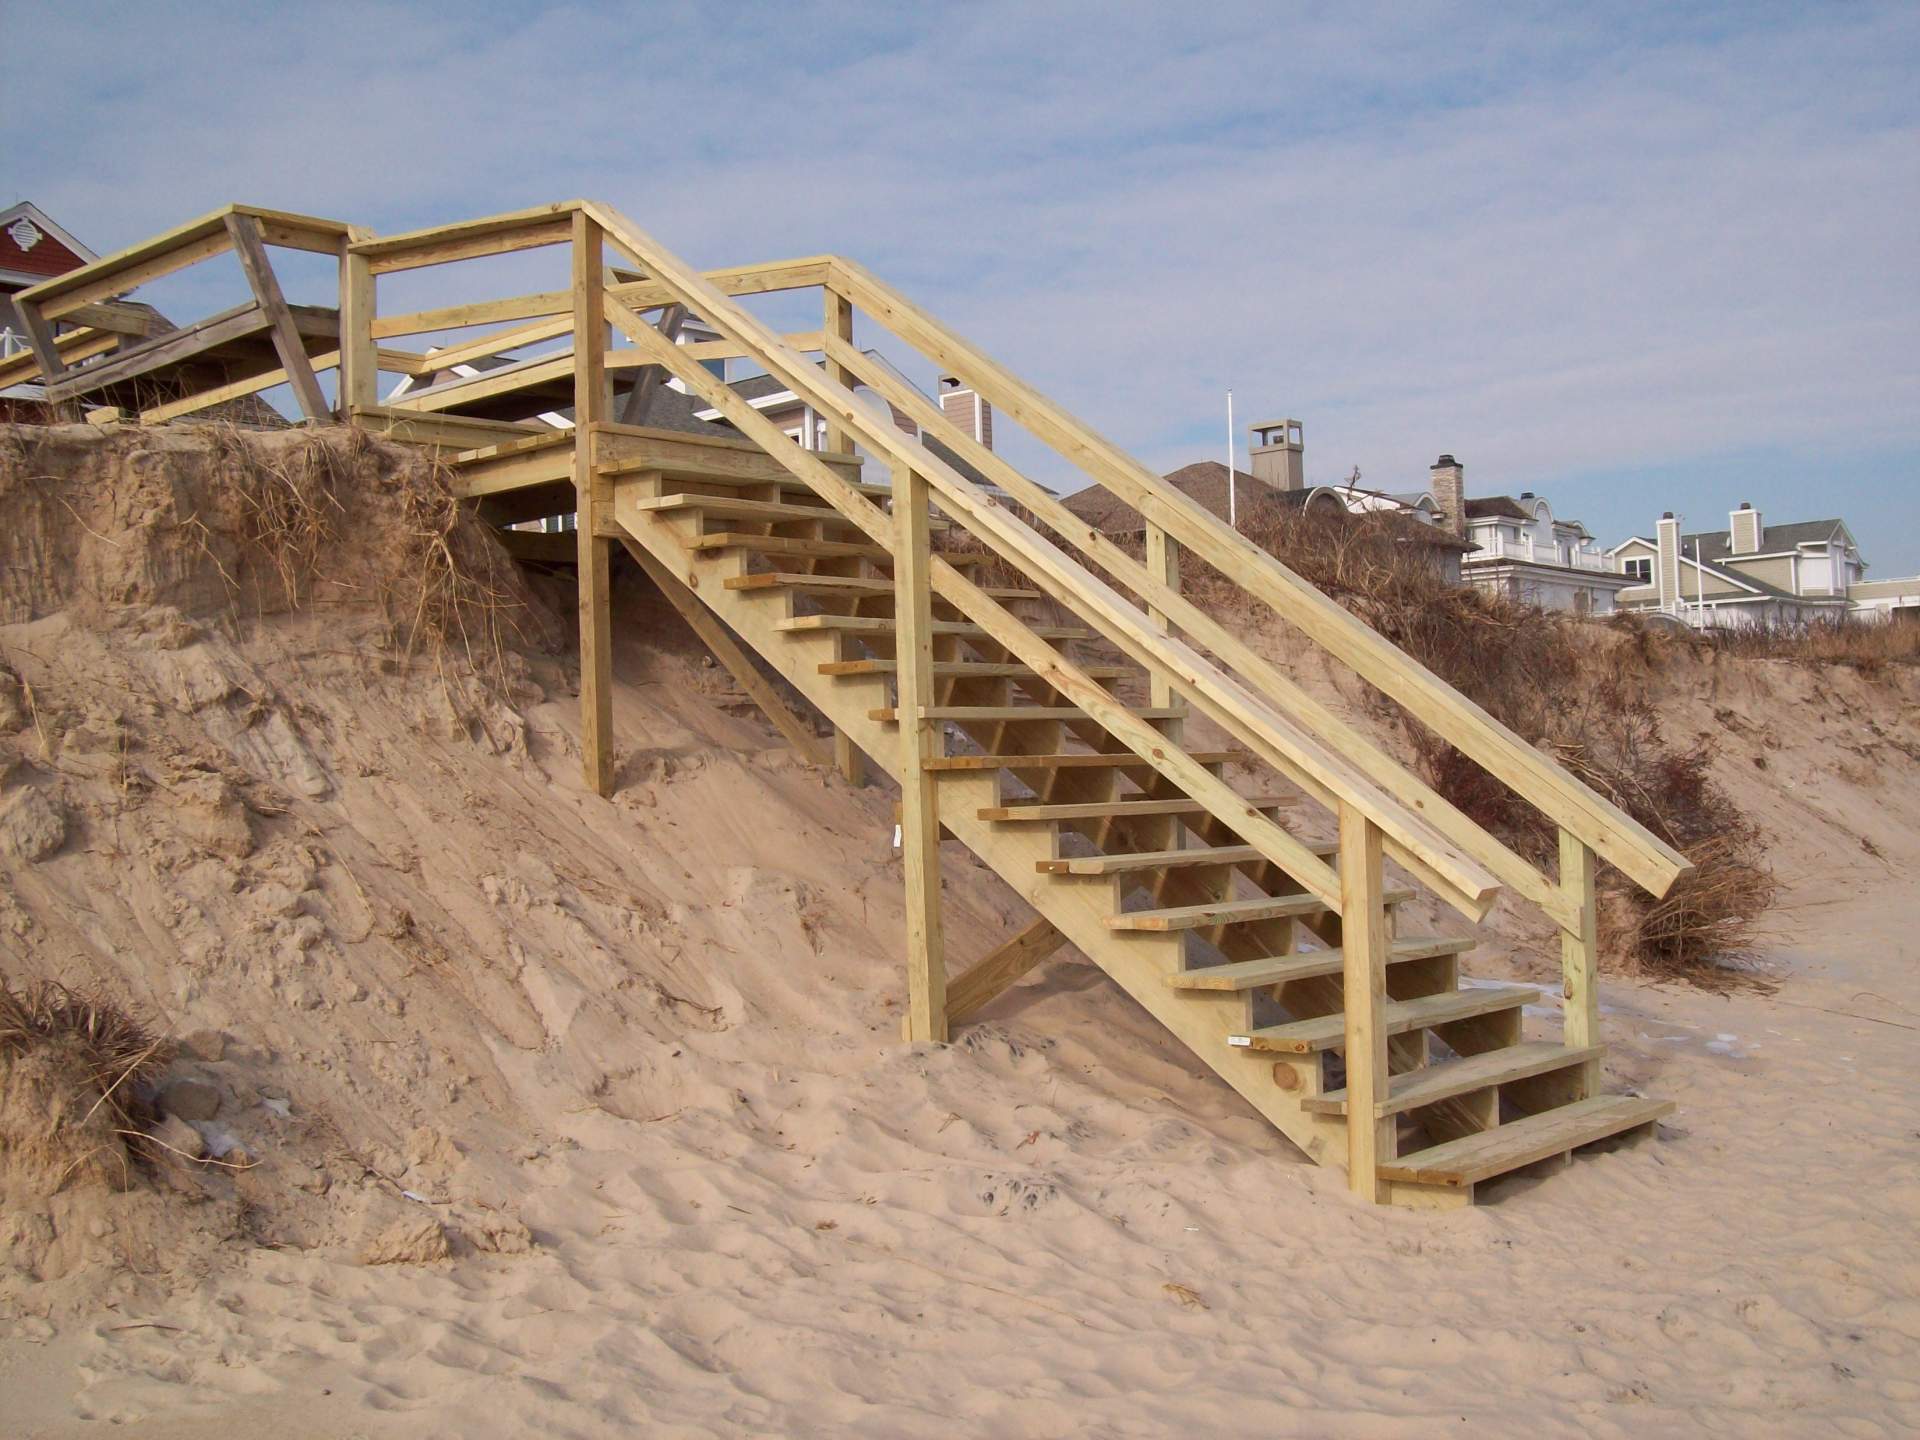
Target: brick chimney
x=1449 y=486
x=966 y=409
x=1278 y=454
x=1743 y=535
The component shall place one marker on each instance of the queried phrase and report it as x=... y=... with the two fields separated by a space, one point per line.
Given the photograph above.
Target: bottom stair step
x=1329 y=1032
x=1449 y=1078
x=1508 y=1147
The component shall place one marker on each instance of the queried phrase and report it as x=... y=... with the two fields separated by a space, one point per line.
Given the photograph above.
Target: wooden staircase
x=905 y=614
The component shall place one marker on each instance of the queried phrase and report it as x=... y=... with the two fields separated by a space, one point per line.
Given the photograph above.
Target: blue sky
x=1634 y=258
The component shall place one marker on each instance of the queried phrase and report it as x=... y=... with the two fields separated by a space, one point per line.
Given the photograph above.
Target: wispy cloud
x=1632 y=257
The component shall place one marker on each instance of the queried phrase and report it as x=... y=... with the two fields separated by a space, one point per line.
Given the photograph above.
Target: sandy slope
x=639 y=1061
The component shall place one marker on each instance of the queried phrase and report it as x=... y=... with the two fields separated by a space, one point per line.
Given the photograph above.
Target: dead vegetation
x=74 y=1073
x=1869 y=647
x=1577 y=690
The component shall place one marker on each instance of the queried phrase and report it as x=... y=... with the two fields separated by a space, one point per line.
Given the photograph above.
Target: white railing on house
x=1499 y=547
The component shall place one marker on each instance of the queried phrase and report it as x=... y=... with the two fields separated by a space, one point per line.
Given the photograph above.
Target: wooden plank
x=448 y=356
x=837 y=321
x=1037 y=813
x=1364 y=945
x=221 y=394
x=920 y=741
x=1433 y=1083
x=1396 y=1017
x=737 y=663
x=848 y=759
x=1580 y=958
x=1229 y=912
x=1240 y=975
x=1630 y=846
x=469 y=239
x=42 y=341
x=73 y=347
x=998 y=714
x=995 y=973
x=965 y=670
x=1101 y=866
x=540 y=304
x=120 y=319
x=732 y=508
x=162 y=351
x=808 y=548
x=883 y=625
x=1473 y=1158
x=851 y=585
x=801 y=340
x=244 y=231
x=1163 y=563
x=639 y=397
x=114 y=275
x=1072 y=760
x=465 y=390
x=592 y=400
x=1295 y=733
x=762 y=279
x=449 y=432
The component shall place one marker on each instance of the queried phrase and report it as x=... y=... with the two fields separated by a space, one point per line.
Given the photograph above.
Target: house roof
x=1205 y=483
x=1718 y=544
x=34 y=248
x=1496 y=507
x=1745 y=581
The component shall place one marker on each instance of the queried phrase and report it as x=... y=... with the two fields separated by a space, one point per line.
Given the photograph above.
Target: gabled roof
x=34 y=248
x=1718 y=544
x=1496 y=507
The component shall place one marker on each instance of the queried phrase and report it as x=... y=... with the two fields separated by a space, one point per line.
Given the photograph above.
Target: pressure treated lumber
x=1078 y=760
x=592 y=401
x=1231 y=912
x=244 y=232
x=1101 y=866
x=1007 y=714
x=1037 y=813
x=1241 y=975
x=959 y=669
x=1537 y=1137
x=1432 y=1083
x=1363 y=971
x=993 y=974
x=920 y=741
x=1397 y=1017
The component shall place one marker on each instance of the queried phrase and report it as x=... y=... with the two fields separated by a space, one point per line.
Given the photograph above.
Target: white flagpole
x=1233 y=482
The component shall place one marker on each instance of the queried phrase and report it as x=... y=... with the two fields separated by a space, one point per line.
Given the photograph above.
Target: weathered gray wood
x=639 y=399
x=252 y=250
x=40 y=339
x=169 y=349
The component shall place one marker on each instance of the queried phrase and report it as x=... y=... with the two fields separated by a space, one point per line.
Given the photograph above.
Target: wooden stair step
x=884 y=624
x=1080 y=760
x=1305 y=965
x=1449 y=1078
x=641 y=465
x=850 y=584
x=1507 y=1147
x=1397 y=1017
x=967 y=669
x=1104 y=809
x=815 y=549
x=1230 y=912
x=1193 y=855
x=1015 y=714
x=771 y=511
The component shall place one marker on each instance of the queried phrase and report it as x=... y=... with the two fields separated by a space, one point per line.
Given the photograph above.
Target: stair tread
x=880 y=624
x=1414 y=1088
x=1305 y=965
x=1012 y=713
x=813 y=549
x=1101 y=865
x=739 y=509
x=1329 y=1032
x=858 y=584
x=1101 y=809
x=641 y=465
x=1230 y=912
x=966 y=669
x=1079 y=760
x=1507 y=1147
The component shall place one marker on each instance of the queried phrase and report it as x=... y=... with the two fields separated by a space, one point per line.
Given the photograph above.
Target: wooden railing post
x=1580 y=957
x=358 y=376
x=1163 y=563
x=592 y=405
x=1363 y=946
x=921 y=740
x=837 y=321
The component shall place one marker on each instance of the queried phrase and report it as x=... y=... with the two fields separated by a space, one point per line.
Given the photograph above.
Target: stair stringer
x=1139 y=964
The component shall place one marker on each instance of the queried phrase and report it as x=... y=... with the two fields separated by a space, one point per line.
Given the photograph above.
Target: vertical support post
x=837 y=318
x=921 y=739
x=592 y=403
x=359 y=373
x=1163 y=563
x=1580 y=957
x=1363 y=946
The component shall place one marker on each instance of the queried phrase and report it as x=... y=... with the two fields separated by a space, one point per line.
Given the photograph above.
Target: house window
x=1639 y=568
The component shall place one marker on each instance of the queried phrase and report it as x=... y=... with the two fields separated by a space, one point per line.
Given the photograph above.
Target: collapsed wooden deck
x=1276 y=956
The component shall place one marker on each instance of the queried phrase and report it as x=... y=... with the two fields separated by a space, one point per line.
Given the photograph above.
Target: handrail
x=1613 y=834
x=1468 y=884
